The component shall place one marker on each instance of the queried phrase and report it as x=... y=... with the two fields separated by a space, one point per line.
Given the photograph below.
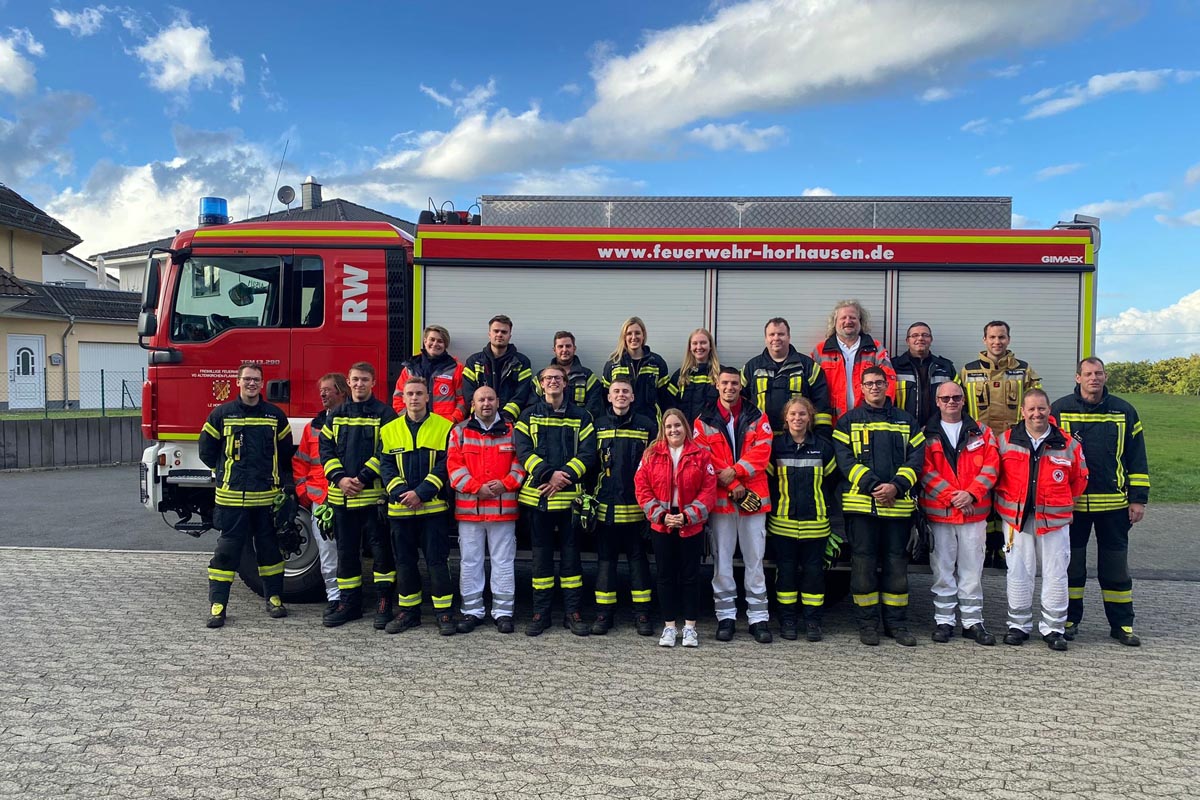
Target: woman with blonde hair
x=645 y=370
x=693 y=387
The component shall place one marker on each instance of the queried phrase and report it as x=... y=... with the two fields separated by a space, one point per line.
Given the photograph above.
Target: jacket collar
x=866 y=344
x=1079 y=396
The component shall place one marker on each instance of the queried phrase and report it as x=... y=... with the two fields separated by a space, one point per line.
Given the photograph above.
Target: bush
x=1170 y=376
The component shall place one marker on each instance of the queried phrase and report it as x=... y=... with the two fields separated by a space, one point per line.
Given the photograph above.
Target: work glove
x=322 y=515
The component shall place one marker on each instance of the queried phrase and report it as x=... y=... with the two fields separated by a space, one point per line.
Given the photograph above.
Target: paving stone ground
x=112 y=687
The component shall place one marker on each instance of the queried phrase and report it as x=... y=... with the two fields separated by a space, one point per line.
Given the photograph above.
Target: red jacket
x=870 y=353
x=973 y=466
x=753 y=433
x=445 y=380
x=476 y=456
x=1056 y=477
x=656 y=482
x=312 y=486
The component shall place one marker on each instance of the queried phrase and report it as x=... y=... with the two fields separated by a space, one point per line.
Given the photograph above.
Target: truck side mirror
x=147 y=324
x=241 y=294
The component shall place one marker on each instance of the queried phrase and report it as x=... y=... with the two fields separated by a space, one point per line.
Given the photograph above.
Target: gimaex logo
x=1062 y=259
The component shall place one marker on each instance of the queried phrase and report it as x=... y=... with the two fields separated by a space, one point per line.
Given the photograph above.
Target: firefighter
x=798 y=524
x=312 y=487
x=994 y=384
x=880 y=449
x=635 y=362
x=583 y=387
x=739 y=437
x=486 y=475
x=1042 y=474
x=412 y=464
x=622 y=436
x=919 y=373
x=781 y=372
x=961 y=468
x=501 y=367
x=349 y=454
x=846 y=352
x=1114 y=501
x=247 y=442
x=442 y=373
x=556 y=444
x=693 y=387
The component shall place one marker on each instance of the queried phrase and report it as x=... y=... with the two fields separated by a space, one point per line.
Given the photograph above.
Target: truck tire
x=302 y=580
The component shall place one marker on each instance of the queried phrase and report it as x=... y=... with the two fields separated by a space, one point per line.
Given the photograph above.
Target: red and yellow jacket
x=870 y=353
x=657 y=482
x=973 y=466
x=1044 y=483
x=444 y=377
x=476 y=457
x=753 y=434
x=312 y=487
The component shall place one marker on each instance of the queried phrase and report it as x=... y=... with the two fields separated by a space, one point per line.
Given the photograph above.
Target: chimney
x=310 y=194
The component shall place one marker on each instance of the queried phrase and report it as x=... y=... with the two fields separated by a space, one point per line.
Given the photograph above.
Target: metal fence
x=52 y=393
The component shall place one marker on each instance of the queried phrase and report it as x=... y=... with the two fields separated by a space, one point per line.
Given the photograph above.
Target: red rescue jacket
x=870 y=353
x=444 y=377
x=972 y=466
x=477 y=456
x=753 y=434
x=312 y=487
x=656 y=482
x=1051 y=479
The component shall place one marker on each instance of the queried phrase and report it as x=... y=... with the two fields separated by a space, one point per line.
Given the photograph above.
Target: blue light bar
x=214 y=211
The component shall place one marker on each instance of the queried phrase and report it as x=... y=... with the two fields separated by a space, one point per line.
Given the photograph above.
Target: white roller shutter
x=1042 y=311
x=746 y=300
x=120 y=385
x=590 y=303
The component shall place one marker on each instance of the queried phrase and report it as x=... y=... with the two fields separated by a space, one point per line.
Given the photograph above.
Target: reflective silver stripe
x=799 y=463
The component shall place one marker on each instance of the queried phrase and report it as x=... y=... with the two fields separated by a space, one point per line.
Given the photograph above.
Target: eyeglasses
x=920 y=336
x=250 y=381
x=954 y=398
x=552 y=379
x=873 y=384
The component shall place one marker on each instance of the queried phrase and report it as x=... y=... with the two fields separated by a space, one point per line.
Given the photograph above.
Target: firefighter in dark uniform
x=622 y=436
x=583 y=387
x=501 y=367
x=693 y=387
x=412 y=461
x=1114 y=501
x=556 y=444
x=248 y=444
x=349 y=447
x=636 y=363
x=880 y=450
x=781 y=372
x=919 y=373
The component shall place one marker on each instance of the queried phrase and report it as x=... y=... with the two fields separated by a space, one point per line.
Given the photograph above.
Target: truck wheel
x=302 y=580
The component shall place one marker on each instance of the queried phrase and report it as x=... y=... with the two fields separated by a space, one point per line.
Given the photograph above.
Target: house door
x=26 y=368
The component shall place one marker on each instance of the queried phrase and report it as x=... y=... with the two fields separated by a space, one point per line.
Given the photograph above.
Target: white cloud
x=1190 y=219
x=271 y=98
x=589 y=180
x=1193 y=175
x=1022 y=221
x=935 y=94
x=818 y=191
x=1056 y=170
x=1058 y=99
x=1108 y=209
x=1136 y=335
x=16 y=71
x=38 y=137
x=1011 y=71
x=465 y=102
x=570 y=88
x=437 y=96
x=180 y=57
x=978 y=126
x=997 y=170
x=737 y=136
x=80 y=23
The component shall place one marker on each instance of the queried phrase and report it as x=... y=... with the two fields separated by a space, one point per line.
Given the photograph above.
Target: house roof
x=336 y=210
x=10 y=286
x=84 y=304
x=17 y=212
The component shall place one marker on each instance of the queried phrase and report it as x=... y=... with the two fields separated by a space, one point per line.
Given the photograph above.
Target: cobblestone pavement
x=112 y=687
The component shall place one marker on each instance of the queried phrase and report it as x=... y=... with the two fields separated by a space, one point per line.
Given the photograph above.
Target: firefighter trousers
x=352 y=526
x=501 y=541
x=957 y=565
x=544 y=528
x=875 y=542
x=238 y=526
x=611 y=541
x=431 y=535
x=749 y=533
x=800 y=575
x=1053 y=550
x=1112 y=565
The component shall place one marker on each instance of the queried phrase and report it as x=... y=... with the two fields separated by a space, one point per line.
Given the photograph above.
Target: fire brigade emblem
x=1059 y=476
x=221 y=391
x=442 y=389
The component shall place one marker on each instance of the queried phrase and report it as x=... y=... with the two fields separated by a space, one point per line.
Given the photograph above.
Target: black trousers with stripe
x=543 y=527
x=1112 y=565
x=351 y=526
x=430 y=534
x=800 y=568
x=254 y=523
x=876 y=541
x=611 y=541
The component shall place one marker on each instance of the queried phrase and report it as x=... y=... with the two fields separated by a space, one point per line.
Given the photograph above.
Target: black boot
x=788 y=626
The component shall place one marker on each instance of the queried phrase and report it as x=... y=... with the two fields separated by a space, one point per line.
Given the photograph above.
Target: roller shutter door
x=1042 y=310
x=124 y=370
x=746 y=300
x=590 y=303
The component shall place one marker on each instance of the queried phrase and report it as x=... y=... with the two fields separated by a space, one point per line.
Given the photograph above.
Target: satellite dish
x=286 y=195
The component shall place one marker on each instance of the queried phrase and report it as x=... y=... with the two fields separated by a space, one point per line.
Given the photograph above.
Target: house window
x=25 y=362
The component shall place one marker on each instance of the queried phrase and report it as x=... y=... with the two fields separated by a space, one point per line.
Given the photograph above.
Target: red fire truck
x=305 y=299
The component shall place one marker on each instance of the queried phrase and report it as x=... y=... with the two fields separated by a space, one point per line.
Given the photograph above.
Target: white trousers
x=501 y=541
x=327 y=554
x=957 y=564
x=1053 y=550
x=750 y=532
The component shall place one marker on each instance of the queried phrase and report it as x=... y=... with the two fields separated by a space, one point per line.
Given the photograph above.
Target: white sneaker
x=668 y=638
x=690 y=637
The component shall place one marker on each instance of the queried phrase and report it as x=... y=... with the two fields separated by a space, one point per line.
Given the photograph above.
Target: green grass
x=1172 y=425
x=73 y=413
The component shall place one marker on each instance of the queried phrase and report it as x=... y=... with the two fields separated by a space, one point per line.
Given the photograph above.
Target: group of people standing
x=772 y=451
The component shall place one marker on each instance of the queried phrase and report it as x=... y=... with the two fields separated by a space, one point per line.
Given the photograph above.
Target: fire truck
x=304 y=299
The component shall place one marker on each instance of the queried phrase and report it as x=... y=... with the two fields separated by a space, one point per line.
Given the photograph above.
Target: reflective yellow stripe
x=864 y=600
x=571 y=581
x=641 y=595
x=812 y=599
x=443 y=601
x=384 y=577
x=1075 y=592
x=895 y=599
x=409 y=600
x=787 y=598
x=543 y=583
x=1111 y=596
x=222 y=575
x=271 y=569
x=350 y=583
x=606 y=598
x=293 y=233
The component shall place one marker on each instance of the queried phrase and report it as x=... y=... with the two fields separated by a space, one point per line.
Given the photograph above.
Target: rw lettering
x=354 y=285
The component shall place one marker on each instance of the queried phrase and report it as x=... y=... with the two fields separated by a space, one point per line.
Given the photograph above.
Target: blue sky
x=116 y=118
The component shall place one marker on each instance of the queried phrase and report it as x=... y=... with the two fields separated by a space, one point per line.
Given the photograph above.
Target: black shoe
x=725 y=630
x=275 y=607
x=468 y=623
x=1071 y=630
x=1015 y=637
x=602 y=625
x=505 y=625
x=812 y=631
x=979 y=634
x=330 y=607
x=1126 y=636
x=216 y=617
x=942 y=633
x=788 y=628
x=383 y=613
x=403 y=620
x=341 y=615
x=1055 y=641
x=903 y=637
x=761 y=633
x=538 y=624
x=574 y=621
x=643 y=624
x=446 y=626
x=868 y=636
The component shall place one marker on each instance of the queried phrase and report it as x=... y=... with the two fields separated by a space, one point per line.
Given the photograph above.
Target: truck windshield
x=218 y=293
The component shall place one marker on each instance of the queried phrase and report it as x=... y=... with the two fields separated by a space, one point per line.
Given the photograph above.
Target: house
x=65 y=345
x=67 y=269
